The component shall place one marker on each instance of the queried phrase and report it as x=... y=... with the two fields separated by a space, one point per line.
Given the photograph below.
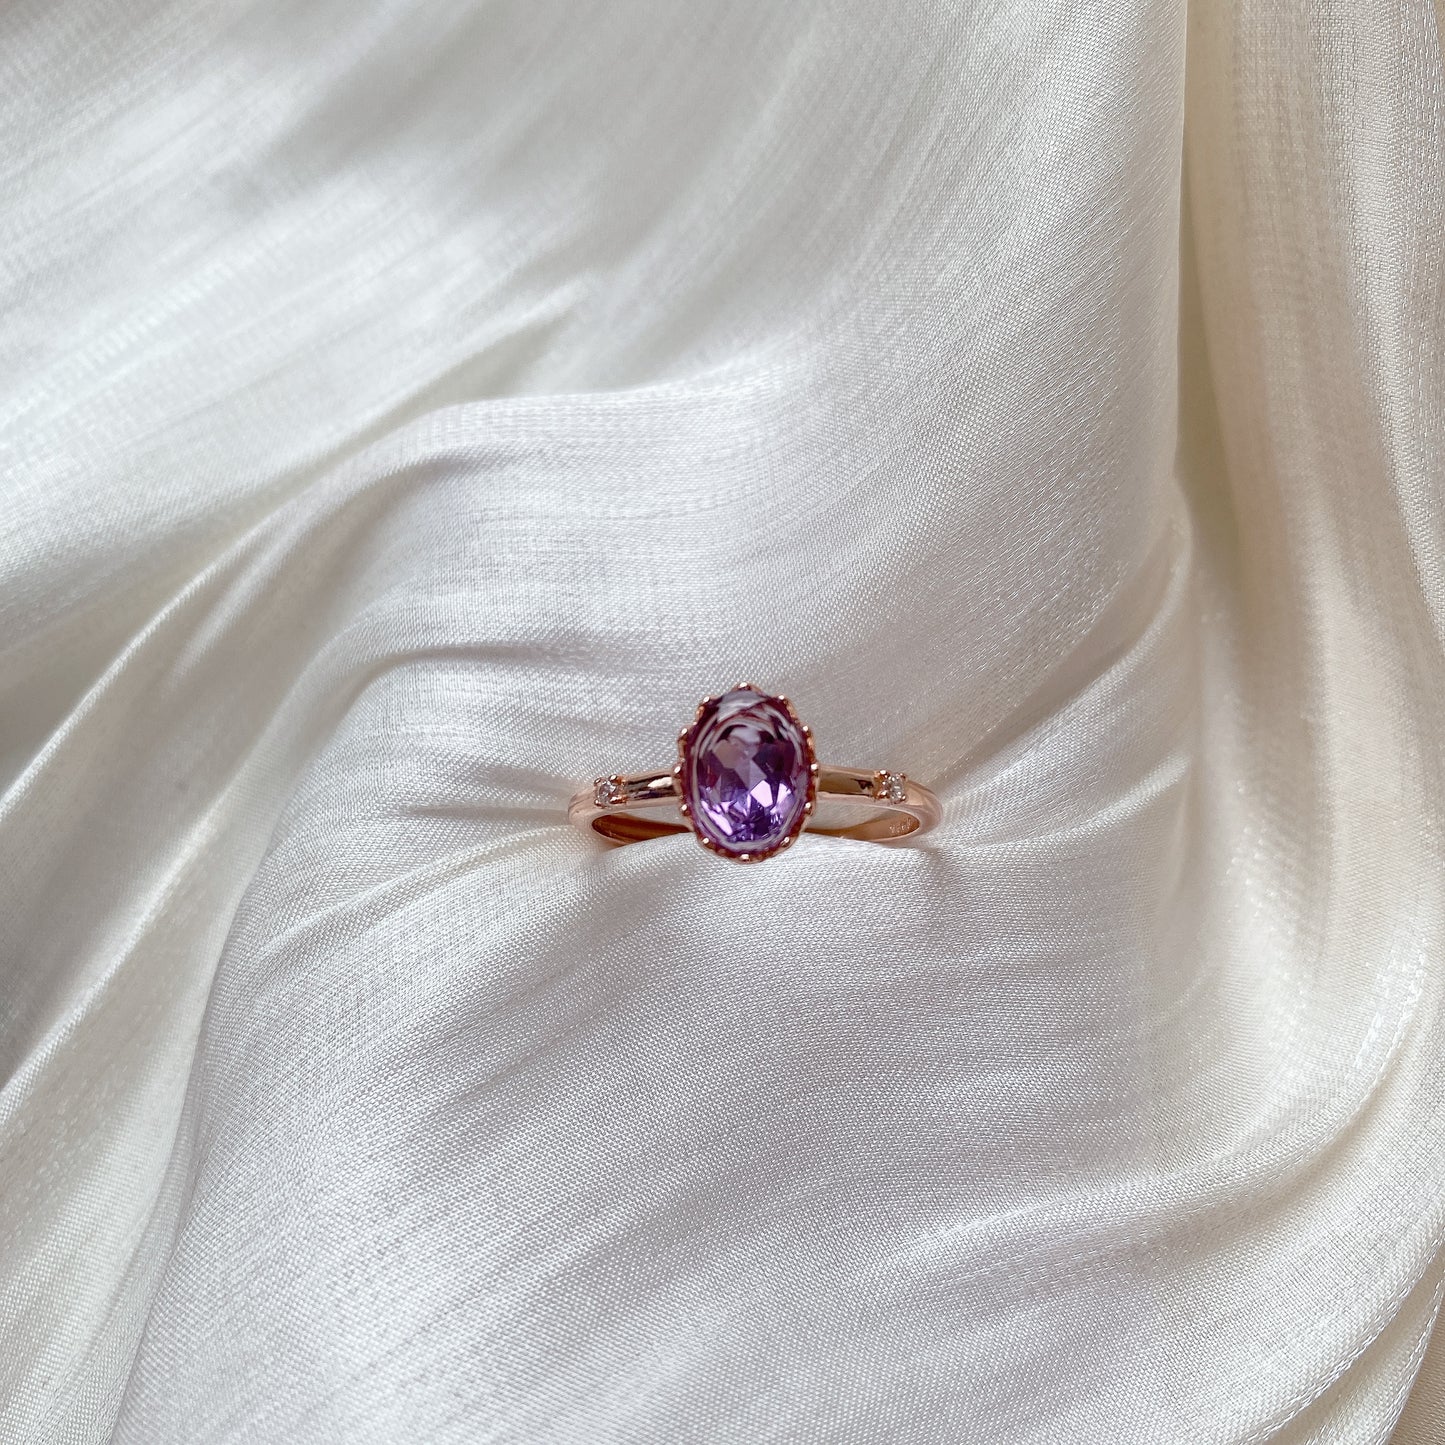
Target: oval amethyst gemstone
x=745 y=772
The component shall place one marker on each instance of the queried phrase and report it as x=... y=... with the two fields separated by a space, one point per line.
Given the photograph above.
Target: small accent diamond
x=606 y=792
x=891 y=787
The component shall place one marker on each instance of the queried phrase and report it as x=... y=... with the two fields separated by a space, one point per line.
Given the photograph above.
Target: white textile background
x=408 y=411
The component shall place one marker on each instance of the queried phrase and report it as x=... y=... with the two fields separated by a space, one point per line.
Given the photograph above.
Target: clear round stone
x=608 y=791
x=893 y=787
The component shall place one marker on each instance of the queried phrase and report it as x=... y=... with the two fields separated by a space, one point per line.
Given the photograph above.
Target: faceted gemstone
x=892 y=787
x=745 y=772
x=606 y=792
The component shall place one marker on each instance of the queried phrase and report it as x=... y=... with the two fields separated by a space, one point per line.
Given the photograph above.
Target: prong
x=745 y=857
x=815 y=769
x=745 y=687
x=809 y=806
x=677 y=770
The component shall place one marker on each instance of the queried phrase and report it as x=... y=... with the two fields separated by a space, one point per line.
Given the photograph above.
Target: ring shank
x=631 y=820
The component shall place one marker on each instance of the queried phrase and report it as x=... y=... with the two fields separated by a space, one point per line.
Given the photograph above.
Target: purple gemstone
x=745 y=772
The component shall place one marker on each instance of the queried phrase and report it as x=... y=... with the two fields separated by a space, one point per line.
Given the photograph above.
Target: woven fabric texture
x=408 y=411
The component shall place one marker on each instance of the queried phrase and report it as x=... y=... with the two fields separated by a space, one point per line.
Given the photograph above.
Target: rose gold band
x=624 y=807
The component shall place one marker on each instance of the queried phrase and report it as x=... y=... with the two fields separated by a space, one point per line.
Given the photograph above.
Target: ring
x=747 y=782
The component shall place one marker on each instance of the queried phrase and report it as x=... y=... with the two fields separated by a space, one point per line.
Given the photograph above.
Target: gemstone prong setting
x=747 y=776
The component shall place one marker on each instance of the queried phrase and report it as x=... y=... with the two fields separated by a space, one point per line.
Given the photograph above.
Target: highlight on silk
x=722 y=722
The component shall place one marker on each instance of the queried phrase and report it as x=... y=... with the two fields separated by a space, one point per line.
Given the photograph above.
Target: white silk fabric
x=407 y=412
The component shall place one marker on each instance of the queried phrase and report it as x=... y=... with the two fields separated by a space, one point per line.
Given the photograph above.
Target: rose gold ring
x=747 y=783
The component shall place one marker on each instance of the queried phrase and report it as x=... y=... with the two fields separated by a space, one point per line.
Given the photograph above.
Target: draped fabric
x=407 y=412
